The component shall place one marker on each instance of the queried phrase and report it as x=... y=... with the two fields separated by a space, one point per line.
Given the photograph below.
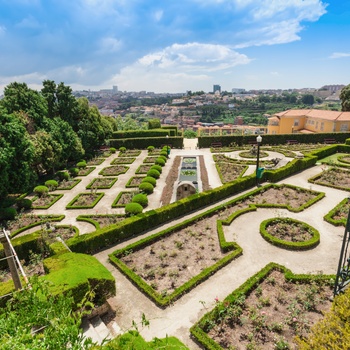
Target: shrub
x=163 y=157
x=122 y=149
x=146 y=187
x=157 y=167
x=41 y=190
x=62 y=175
x=133 y=209
x=51 y=184
x=113 y=150
x=150 y=149
x=24 y=203
x=160 y=161
x=163 y=154
x=81 y=165
x=141 y=199
x=150 y=180
x=74 y=171
x=7 y=213
x=153 y=173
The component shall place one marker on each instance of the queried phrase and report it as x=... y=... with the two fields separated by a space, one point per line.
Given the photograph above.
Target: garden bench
x=291 y=142
x=252 y=142
x=216 y=144
x=329 y=140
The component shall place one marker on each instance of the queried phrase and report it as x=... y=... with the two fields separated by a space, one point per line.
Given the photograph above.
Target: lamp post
x=167 y=146
x=258 y=141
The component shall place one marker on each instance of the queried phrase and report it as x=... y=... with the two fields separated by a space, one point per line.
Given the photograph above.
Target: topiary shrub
x=150 y=179
x=141 y=199
x=157 y=167
x=160 y=161
x=153 y=173
x=163 y=157
x=62 y=175
x=7 y=213
x=146 y=187
x=113 y=150
x=81 y=165
x=133 y=209
x=74 y=171
x=150 y=149
x=41 y=190
x=122 y=149
x=163 y=154
x=51 y=184
x=24 y=203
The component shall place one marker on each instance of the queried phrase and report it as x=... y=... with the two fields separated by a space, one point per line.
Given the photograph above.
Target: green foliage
x=332 y=331
x=153 y=173
x=150 y=149
x=146 y=187
x=157 y=167
x=81 y=164
x=24 y=203
x=345 y=98
x=7 y=213
x=150 y=179
x=133 y=209
x=51 y=184
x=74 y=172
x=41 y=190
x=113 y=150
x=154 y=124
x=141 y=199
x=160 y=161
x=122 y=149
x=190 y=134
x=34 y=318
x=62 y=175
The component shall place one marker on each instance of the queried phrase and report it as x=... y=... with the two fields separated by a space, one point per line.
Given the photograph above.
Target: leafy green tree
x=154 y=123
x=49 y=93
x=308 y=99
x=16 y=155
x=36 y=319
x=190 y=134
x=345 y=98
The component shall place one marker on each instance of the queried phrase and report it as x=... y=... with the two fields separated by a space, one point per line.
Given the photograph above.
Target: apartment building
x=308 y=121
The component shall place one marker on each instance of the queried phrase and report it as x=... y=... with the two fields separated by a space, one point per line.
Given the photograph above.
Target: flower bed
x=333 y=177
x=114 y=170
x=134 y=181
x=123 y=160
x=68 y=184
x=46 y=201
x=105 y=182
x=85 y=201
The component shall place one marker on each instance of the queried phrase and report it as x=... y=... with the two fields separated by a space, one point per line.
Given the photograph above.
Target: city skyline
x=168 y=46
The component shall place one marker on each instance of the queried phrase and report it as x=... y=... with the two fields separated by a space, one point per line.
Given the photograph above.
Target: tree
x=154 y=124
x=36 y=319
x=345 y=98
x=308 y=99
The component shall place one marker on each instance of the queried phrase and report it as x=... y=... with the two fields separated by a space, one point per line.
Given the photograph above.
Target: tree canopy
x=345 y=98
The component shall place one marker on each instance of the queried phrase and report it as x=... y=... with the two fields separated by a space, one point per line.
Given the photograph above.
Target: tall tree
x=345 y=98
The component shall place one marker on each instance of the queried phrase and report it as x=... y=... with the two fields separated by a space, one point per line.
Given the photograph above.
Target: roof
x=315 y=113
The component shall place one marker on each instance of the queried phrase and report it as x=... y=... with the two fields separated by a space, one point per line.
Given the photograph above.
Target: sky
x=175 y=45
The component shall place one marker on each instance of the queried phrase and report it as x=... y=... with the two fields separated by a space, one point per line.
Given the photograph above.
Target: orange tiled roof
x=315 y=113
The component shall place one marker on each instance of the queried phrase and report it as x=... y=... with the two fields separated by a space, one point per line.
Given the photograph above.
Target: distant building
x=332 y=88
x=216 y=88
x=115 y=89
x=238 y=91
x=308 y=121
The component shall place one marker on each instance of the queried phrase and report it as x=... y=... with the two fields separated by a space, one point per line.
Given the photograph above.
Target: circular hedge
x=150 y=149
x=24 y=203
x=160 y=161
x=51 y=184
x=81 y=165
x=41 y=190
x=150 y=179
x=153 y=173
x=157 y=167
x=291 y=245
x=146 y=187
x=141 y=199
x=133 y=209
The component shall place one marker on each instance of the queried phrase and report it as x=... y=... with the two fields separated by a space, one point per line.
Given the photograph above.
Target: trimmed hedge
x=41 y=190
x=71 y=205
x=153 y=173
x=141 y=199
x=311 y=243
x=144 y=142
x=150 y=179
x=132 y=209
x=146 y=187
x=24 y=203
x=157 y=167
x=51 y=184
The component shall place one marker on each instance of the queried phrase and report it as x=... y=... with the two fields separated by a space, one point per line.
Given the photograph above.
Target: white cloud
x=28 y=23
x=158 y=15
x=177 y=66
x=339 y=55
x=2 y=30
x=109 y=45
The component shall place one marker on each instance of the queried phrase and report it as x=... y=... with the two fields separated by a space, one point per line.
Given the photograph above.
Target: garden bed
x=104 y=182
x=67 y=184
x=85 y=201
x=123 y=199
x=46 y=201
x=135 y=181
x=333 y=177
x=114 y=170
x=123 y=160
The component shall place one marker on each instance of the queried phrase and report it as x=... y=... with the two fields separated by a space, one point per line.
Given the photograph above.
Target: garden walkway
x=176 y=319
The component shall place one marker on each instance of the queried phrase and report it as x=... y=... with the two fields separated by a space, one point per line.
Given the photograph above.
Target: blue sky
x=175 y=45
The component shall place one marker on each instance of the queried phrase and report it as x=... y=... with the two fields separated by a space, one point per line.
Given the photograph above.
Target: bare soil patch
x=289 y=231
x=334 y=177
x=271 y=315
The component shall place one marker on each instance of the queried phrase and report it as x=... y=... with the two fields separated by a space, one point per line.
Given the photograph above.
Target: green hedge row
x=199 y=330
x=142 y=133
x=143 y=142
x=269 y=139
x=329 y=216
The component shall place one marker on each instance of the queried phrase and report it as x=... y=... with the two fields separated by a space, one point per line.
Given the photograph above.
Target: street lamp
x=167 y=146
x=258 y=170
